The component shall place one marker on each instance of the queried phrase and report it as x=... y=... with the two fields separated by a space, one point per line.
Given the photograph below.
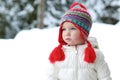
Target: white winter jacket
x=75 y=68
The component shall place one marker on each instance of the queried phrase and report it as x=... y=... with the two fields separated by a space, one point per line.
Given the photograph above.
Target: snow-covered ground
x=25 y=57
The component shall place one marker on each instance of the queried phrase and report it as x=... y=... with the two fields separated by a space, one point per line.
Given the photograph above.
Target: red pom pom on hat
x=57 y=54
x=78 y=6
x=90 y=54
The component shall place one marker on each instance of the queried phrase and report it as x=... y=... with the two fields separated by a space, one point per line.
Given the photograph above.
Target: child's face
x=71 y=35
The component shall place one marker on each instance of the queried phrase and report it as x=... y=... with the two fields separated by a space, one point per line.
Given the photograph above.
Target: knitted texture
x=68 y=69
x=79 y=15
x=57 y=54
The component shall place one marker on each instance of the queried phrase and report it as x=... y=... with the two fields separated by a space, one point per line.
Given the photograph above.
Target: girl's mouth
x=68 y=39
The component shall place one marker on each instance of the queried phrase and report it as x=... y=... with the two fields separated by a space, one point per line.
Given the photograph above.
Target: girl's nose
x=67 y=32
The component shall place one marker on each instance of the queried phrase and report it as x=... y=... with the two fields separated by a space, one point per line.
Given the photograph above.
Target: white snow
x=26 y=56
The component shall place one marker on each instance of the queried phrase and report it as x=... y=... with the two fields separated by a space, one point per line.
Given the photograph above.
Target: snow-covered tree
x=16 y=15
x=54 y=10
x=105 y=11
x=40 y=13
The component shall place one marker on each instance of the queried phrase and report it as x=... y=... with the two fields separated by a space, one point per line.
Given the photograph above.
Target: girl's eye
x=73 y=28
x=63 y=29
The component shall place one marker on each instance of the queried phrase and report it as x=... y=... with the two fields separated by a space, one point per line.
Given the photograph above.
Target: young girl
x=75 y=58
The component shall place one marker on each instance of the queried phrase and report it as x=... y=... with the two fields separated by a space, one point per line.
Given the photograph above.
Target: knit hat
x=79 y=16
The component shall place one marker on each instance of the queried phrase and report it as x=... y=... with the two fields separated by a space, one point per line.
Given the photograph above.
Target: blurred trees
x=40 y=13
x=106 y=11
x=16 y=15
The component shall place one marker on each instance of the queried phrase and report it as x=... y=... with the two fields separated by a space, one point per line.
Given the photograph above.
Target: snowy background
x=26 y=56
x=17 y=15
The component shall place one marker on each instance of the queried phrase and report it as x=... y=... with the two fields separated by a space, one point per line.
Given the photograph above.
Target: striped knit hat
x=79 y=16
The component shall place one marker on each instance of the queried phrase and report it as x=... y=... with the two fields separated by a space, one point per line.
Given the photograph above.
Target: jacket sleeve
x=101 y=67
x=52 y=72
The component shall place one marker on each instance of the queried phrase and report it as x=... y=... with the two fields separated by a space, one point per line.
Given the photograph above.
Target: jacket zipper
x=76 y=63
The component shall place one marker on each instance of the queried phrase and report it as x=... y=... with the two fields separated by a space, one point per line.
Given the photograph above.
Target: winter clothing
x=75 y=68
x=78 y=62
x=79 y=16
